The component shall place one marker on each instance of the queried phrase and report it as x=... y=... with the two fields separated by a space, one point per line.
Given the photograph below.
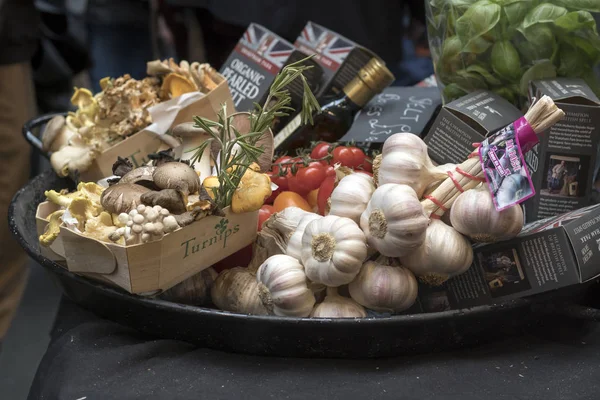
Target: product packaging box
x=340 y=58
x=548 y=254
x=150 y=268
x=396 y=109
x=465 y=121
x=562 y=164
x=165 y=115
x=257 y=58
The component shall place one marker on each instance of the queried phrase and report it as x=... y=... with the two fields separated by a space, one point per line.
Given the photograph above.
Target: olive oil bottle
x=337 y=115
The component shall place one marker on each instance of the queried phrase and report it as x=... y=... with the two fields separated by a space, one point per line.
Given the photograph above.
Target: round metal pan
x=299 y=337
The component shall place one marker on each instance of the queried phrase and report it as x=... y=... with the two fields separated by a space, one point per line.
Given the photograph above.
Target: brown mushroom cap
x=51 y=131
x=122 y=197
x=141 y=176
x=176 y=175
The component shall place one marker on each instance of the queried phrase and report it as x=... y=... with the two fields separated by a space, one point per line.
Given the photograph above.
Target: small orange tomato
x=290 y=199
x=312 y=199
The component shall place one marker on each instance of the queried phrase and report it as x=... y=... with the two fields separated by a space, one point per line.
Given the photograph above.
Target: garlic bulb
x=237 y=290
x=333 y=250
x=336 y=306
x=405 y=161
x=195 y=290
x=443 y=254
x=286 y=287
x=286 y=221
x=294 y=246
x=473 y=214
x=394 y=221
x=350 y=197
x=383 y=287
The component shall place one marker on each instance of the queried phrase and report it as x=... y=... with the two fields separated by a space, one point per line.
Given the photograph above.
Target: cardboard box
x=396 y=109
x=153 y=267
x=137 y=146
x=252 y=66
x=547 y=255
x=340 y=57
x=562 y=164
x=465 y=121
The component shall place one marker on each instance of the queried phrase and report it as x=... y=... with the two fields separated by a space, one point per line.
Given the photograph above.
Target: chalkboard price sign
x=396 y=109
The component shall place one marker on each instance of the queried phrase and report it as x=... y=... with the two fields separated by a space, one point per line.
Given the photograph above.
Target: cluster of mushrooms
x=119 y=110
x=140 y=205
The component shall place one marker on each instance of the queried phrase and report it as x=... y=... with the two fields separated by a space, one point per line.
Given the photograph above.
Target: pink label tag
x=526 y=136
x=504 y=167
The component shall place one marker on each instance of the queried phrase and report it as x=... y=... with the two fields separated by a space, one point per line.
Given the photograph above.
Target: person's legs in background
x=17 y=102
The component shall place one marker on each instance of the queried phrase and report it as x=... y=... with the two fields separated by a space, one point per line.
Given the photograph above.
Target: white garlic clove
x=394 y=221
x=405 y=161
x=443 y=254
x=336 y=306
x=383 y=287
x=285 y=287
x=333 y=250
x=237 y=290
x=350 y=197
x=473 y=214
x=294 y=245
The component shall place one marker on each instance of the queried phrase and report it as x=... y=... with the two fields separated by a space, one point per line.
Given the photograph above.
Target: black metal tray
x=299 y=337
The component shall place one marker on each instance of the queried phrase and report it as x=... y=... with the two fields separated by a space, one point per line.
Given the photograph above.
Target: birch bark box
x=165 y=115
x=150 y=268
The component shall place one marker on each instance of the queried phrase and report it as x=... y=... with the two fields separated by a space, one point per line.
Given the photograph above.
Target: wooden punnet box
x=150 y=268
x=165 y=116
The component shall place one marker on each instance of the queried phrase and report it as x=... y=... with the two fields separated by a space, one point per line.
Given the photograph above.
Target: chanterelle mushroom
x=177 y=175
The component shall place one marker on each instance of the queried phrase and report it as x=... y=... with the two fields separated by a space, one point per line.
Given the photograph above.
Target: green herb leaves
x=502 y=44
x=238 y=151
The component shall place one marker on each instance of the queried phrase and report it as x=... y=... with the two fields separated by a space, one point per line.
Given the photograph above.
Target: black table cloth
x=94 y=359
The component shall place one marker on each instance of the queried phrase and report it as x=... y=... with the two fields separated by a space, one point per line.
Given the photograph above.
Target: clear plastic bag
x=501 y=45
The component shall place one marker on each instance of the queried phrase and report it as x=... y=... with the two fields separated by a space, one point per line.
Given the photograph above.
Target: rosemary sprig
x=239 y=151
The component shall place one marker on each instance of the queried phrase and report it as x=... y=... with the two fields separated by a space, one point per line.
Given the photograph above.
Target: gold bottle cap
x=376 y=75
x=371 y=79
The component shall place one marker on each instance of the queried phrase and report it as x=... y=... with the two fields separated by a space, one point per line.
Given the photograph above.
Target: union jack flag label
x=331 y=48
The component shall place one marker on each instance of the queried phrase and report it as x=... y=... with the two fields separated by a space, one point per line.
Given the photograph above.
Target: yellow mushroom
x=174 y=85
x=91 y=190
x=251 y=193
x=210 y=183
x=100 y=227
x=52 y=229
x=82 y=209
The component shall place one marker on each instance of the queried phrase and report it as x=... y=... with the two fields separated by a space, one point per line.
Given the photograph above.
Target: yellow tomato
x=290 y=199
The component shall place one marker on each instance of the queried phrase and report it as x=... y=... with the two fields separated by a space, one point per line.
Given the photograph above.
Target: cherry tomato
x=312 y=199
x=329 y=170
x=273 y=196
x=290 y=199
x=280 y=181
x=263 y=214
x=321 y=150
x=307 y=178
x=348 y=156
x=240 y=258
x=367 y=165
x=324 y=193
